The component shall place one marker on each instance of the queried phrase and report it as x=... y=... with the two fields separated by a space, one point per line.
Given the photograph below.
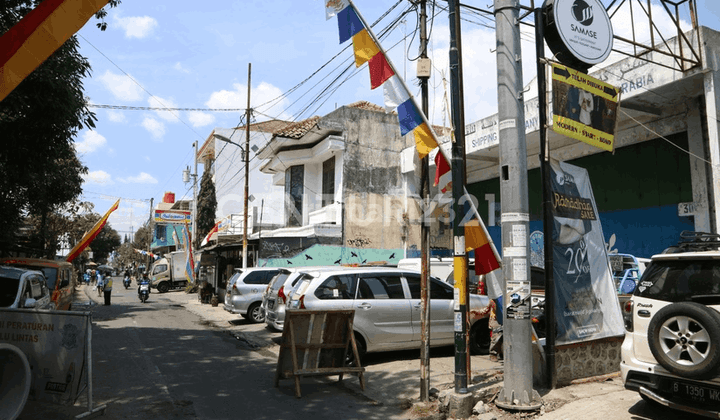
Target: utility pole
x=547 y=200
x=247 y=170
x=194 y=209
x=517 y=393
x=425 y=224
x=460 y=260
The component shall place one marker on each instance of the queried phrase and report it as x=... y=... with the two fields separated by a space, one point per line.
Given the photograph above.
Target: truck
x=169 y=272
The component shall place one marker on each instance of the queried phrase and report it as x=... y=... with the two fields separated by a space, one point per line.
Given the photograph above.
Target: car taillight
x=281 y=296
x=302 y=302
x=628 y=315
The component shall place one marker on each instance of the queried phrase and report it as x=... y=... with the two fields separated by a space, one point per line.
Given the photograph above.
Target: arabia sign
x=579 y=32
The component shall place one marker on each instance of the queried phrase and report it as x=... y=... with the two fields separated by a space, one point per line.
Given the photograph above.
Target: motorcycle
x=126 y=282
x=144 y=292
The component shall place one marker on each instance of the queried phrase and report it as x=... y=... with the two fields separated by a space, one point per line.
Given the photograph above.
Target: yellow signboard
x=584 y=108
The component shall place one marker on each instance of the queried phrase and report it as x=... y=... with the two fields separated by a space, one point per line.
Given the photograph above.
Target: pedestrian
x=100 y=283
x=108 y=289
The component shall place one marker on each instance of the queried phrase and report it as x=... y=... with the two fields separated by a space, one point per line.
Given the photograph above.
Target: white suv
x=671 y=352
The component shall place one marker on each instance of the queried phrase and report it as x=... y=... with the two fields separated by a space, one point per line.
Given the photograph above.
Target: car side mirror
x=30 y=303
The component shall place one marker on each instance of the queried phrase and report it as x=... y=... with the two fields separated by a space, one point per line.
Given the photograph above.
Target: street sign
x=584 y=108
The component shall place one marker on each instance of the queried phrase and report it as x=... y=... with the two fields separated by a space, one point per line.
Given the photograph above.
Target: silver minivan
x=278 y=290
x=245 y=290
x=387 y=307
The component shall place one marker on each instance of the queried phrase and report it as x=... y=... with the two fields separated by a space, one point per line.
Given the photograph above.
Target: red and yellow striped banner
x=90 y=236
x=39 y=34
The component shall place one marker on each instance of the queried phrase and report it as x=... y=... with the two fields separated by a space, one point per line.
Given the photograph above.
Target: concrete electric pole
x=517 y=393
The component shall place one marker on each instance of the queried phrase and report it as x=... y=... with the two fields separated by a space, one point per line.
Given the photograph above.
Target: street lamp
x=245 y=198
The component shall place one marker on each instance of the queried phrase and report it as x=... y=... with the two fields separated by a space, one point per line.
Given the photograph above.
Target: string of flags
x=397 y=96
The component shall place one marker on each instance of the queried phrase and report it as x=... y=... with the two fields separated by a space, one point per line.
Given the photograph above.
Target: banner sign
x=586 y=303
x=54 y=343
x=584 y=108
x=173 y=216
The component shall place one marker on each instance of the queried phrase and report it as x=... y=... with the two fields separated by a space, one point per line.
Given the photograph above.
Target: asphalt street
x=174 y=358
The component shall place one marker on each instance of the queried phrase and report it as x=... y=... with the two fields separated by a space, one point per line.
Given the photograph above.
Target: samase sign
x=579 y=32
x=172 y=216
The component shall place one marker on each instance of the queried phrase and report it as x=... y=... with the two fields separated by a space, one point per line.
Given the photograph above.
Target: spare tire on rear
x=684 y=337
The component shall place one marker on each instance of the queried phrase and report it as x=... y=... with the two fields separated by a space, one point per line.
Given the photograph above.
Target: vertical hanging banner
x=586 y=304
x=584 y=108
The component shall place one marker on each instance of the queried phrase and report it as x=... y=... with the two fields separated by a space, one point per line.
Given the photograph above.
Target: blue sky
x=194 y=55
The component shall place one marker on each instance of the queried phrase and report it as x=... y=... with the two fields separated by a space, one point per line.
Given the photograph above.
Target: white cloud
x=200 y=119
x=142 y=178
x=179 y=67
x=136 y=26
x=91 y=141
x=158 y=102
x=237 y=98
x=155 y=127
x=116 y=116
x=98 y=177
x=121 y=86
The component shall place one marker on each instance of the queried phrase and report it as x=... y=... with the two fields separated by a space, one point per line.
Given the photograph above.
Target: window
x=294 y=186
x=160 y=268
x=380 y=287
x=259 y=277
x=328 y=182
x=438 y=289
x=337 y=287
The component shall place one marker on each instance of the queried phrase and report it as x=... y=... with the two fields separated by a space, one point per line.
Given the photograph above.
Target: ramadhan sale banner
x=586 y=303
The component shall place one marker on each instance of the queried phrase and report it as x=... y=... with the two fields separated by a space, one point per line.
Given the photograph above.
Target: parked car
x=21 y=288
x=244 y=292
x=278 y=290
x=671 y=351
x=387 y=307
x=59 y=276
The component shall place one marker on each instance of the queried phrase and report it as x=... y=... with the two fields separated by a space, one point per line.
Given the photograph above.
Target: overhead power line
x=151 y=108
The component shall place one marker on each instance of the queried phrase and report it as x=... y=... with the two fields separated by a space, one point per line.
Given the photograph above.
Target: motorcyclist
x=144 y=280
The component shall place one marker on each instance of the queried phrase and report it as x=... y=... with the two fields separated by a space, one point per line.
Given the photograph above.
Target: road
x=172 y=358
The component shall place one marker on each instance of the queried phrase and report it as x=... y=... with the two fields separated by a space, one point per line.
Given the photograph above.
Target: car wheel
x=685 y=339
x=361 y=349
x=480 y=337
x=255 y=313
x=163 y=287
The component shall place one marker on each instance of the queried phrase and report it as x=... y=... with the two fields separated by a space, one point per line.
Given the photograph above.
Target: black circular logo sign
x=582 y=12
x=578 y=31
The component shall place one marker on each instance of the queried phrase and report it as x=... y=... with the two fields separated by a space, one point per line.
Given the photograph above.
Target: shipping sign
x=584 y=108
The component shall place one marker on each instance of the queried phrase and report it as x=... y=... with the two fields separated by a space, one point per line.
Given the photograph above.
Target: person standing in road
x=108 y=289
x=100 y=283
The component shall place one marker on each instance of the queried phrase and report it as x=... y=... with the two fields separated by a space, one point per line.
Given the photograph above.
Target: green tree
x=39 y=169
x=206 y=207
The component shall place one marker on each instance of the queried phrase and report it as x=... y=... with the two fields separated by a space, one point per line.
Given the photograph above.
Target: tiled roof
x=367 y=106
x=298 y=129
x=270 y=126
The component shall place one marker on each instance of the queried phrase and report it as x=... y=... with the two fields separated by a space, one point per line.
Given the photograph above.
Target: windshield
x=8 y=291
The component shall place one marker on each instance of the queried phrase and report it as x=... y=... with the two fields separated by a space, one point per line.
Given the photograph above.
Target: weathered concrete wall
x=588 y=359
x=373 y=189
